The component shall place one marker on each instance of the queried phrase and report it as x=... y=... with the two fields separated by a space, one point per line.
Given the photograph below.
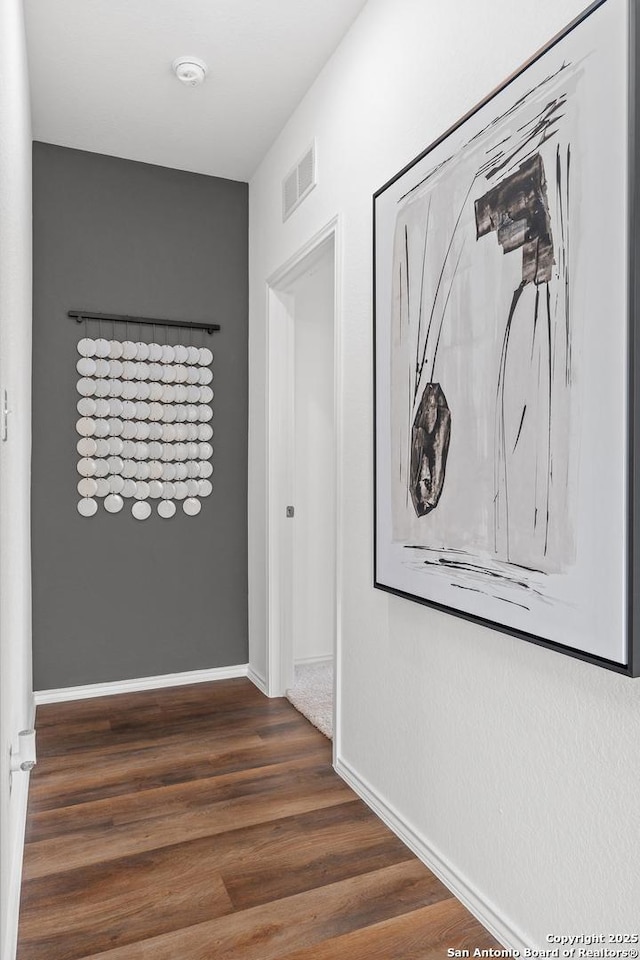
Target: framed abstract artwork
x=506 y=355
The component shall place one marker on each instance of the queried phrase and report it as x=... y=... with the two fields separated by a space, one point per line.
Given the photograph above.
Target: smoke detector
x=190 y=70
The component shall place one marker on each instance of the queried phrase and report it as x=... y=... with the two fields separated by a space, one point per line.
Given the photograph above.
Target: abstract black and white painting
x=501 y=306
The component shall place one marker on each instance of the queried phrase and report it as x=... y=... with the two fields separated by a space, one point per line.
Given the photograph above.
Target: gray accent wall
x=115 y=598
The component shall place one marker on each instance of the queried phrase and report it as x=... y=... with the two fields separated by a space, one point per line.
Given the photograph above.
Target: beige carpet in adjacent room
x=312 y=694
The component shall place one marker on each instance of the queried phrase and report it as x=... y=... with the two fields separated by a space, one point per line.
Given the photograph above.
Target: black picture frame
x=631 y=665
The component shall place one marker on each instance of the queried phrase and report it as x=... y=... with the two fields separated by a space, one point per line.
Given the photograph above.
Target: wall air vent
x=299 y=182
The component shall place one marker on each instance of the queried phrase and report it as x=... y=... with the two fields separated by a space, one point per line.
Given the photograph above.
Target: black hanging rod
x=80 y=315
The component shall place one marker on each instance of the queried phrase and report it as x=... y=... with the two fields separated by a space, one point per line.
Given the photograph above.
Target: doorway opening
x=303 y=445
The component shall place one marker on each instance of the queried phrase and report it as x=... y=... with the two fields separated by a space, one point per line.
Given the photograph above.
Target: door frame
x=280 y=419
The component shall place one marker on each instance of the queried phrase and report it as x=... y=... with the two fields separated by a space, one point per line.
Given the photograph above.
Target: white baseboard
x=471 y=898
x=19 y=797
x=309 y=661
x=65 y=694
x=257 y=680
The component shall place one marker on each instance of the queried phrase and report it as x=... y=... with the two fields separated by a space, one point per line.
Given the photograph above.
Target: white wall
x=518 y=766
x=314 y=499
x=15 y=377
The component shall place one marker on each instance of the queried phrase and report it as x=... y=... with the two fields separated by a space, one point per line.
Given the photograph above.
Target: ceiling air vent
x=299 y=182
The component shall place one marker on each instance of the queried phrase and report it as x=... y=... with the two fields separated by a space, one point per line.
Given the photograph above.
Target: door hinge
x=4 y=428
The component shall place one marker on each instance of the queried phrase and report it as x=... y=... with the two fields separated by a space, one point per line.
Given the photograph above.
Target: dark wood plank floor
x=206 y=823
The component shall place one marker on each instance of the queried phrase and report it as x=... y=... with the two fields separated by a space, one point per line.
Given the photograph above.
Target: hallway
x=206 y=822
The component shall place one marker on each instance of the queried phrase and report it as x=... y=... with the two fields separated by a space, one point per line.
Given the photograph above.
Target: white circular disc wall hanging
x=86 y=387
x=142 y=490
x=87 y=487
x=87 y=347
x=144 y=433
x=101 y=388
x=86 y=446
x=155 y=489
x=86 y=467
x=128 y=390
x=128 y=449
x=86 y=427
x=86 y=366
x=115 y=445
x=141 y=510
x=86 y=406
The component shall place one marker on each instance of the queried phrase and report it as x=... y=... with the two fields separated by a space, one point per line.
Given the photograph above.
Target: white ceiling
x=101 y=76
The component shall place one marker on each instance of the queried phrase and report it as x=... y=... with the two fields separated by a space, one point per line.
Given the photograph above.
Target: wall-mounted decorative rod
x=80 y=315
